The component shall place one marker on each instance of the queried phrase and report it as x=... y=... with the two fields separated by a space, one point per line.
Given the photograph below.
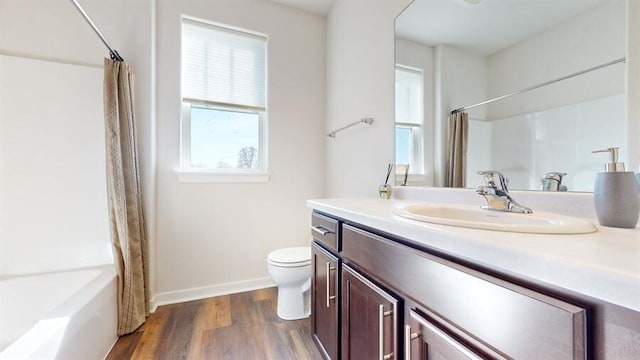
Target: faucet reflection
x=552 y=181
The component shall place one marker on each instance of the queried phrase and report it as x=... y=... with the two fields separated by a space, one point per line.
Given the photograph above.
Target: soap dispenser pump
x=615 y=194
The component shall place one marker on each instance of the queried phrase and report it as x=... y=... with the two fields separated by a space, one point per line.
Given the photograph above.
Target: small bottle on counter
x=616 y=195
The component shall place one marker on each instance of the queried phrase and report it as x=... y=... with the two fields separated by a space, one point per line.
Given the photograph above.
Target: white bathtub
x=64 y=315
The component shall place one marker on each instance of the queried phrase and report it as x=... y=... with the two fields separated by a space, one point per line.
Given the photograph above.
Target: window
x=409 y=119
x=224 y=120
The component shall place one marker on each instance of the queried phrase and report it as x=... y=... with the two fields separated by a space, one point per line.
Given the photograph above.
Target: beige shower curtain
x=457 y=150
x=128 y=235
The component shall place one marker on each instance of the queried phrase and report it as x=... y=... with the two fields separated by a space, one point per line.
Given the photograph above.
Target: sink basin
x=474 y=217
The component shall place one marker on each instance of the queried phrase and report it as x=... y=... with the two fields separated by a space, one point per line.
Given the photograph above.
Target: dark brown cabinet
x=369 y=319
x=324 y=301
x=494 y=316
x=376 y=298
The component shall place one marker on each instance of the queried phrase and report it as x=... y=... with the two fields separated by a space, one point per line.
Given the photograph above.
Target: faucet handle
x=495 y=179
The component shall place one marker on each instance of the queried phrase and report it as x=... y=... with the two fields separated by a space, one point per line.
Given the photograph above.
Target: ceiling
x=434 y=22
x=321 y=7
x=486 y=27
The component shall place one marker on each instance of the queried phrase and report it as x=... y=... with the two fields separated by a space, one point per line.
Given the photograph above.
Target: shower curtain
x=126 y=215
x=457 y=150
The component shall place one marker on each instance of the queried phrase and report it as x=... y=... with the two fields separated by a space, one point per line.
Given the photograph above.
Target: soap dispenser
x=615 y=194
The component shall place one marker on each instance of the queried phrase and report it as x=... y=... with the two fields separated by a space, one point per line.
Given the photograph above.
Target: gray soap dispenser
x=615 y=194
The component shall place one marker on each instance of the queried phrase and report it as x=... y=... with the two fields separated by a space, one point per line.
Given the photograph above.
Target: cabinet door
x=424 y=339
x=369 y=319
x=324 y=301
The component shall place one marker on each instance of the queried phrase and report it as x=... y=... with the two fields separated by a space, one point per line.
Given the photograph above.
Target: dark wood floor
x=240 y=326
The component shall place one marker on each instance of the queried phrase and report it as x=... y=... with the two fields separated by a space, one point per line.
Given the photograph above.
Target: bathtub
x=63 y=315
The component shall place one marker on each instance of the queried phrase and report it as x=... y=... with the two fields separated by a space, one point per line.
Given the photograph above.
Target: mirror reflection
x=557 y=67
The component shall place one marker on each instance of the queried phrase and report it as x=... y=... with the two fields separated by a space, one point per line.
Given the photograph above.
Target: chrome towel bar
x=367 y=121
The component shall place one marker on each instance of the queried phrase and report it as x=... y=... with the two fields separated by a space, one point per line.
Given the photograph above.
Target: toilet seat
x=290 y=257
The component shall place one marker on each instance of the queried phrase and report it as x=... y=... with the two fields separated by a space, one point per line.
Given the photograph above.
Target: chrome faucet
x=496 y=193
x=552 y=181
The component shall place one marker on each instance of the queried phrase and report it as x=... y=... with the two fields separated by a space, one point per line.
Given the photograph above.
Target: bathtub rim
x=23 y=347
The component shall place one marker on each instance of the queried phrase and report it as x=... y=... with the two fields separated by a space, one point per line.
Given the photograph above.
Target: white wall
x=420 y=56
x=214 y=237
x=461 y=80
x=360 y=83
x=54 y=30
x=479 y=151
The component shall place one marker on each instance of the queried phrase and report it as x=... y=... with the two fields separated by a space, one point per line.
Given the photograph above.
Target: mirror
x=456 y=53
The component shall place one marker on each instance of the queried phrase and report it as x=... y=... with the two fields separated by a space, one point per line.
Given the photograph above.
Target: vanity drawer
x=481 y=310
x=326 y=230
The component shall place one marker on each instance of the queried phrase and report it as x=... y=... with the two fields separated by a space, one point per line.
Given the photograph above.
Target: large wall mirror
x=452 y=54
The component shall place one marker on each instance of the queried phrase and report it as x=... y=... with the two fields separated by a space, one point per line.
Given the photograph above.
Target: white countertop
x=603 y=265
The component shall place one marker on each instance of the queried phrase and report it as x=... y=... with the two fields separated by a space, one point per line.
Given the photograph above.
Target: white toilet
x=290 y=269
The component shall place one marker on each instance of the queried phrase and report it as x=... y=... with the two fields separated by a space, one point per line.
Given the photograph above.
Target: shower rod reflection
x=112 y=52
x=367 y=121
x=624 y=59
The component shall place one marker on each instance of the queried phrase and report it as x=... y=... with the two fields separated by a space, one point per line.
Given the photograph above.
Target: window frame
x=189 y=174
x=186 y=172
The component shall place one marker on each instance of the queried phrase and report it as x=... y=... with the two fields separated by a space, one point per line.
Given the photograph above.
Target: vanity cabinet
x=396 y=301
x=489 y=316
x=369 y=319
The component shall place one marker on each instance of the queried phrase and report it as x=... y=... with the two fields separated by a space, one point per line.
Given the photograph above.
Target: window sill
x=203 y=177
x=412 y=179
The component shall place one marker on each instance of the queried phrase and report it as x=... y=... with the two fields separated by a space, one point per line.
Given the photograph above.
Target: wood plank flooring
x=240 y=326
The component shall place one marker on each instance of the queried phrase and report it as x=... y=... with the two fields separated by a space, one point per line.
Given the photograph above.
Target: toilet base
x=293 y=306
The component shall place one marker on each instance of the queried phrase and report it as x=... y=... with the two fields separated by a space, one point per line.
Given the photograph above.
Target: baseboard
x=173 y=297
x=111 y=348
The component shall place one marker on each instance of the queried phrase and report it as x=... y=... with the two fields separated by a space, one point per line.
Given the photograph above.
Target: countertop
x=604 y=265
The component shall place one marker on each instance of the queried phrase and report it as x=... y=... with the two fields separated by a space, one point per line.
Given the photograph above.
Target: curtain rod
x=112 y=53
x=624 y=59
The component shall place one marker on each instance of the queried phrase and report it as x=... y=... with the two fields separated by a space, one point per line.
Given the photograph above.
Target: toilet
x=290 y=269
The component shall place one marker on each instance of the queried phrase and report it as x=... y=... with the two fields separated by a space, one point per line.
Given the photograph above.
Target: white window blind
x=223 y=66
x=408 y=95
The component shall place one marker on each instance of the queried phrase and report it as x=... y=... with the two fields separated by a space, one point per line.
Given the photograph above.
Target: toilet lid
x=292 y=256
